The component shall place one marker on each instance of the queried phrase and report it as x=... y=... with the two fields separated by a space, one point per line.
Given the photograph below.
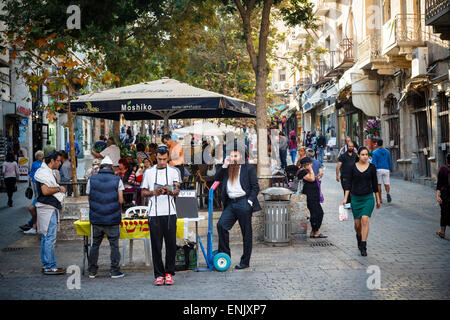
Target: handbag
x=29 y=191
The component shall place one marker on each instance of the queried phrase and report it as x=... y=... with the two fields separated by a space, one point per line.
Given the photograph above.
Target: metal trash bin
x=277 y=222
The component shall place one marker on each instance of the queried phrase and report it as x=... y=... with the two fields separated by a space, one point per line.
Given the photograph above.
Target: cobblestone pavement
x=414 y=263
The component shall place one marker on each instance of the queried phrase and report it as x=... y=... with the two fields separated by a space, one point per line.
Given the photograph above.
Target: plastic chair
x=139 y=210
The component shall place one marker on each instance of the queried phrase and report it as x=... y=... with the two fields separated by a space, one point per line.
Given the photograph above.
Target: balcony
x=437 y=14
x=370 y=58
x=341 y=59
x=400 y=36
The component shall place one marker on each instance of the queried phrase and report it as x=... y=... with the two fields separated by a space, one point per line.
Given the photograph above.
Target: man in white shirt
x=162 y=183
x=239 y=195
x=112 y=151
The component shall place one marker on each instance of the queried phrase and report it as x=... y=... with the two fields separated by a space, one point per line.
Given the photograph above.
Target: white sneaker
x=31 y=231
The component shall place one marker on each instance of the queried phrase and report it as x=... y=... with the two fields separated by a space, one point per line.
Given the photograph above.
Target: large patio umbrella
x=162 y=99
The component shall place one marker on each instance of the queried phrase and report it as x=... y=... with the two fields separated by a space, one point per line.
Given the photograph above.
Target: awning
x=328 y=110
x=346 y=78
x=364 y=94
x=310 y=102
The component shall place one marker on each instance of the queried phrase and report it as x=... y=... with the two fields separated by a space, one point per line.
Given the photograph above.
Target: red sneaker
x=168 y=280
x=159 y=281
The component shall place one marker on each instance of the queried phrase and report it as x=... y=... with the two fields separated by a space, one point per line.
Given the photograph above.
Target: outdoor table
x=134 y=229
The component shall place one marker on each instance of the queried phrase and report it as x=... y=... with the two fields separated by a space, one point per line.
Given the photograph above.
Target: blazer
x=249 y=183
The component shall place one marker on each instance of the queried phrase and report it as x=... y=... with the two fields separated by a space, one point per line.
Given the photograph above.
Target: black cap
x=305 y=160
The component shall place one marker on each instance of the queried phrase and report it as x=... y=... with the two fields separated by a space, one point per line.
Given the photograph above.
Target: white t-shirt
x=113 y=152
x=234 y=189
x=163 y=204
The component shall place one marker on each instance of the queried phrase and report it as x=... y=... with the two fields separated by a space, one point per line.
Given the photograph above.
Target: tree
x=294 y=12
x=48 y=59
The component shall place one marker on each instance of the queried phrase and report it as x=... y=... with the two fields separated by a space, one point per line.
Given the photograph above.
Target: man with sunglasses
x=161 y=183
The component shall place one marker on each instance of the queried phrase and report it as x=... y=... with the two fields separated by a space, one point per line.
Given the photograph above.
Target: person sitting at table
x=124 y=172
x=105 y=195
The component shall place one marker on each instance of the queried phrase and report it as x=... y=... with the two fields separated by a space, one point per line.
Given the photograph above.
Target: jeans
x=293 y=155
x=236 y=210
x=113 y=234
x=283 y=156
x=320 y=153
x=48 y=244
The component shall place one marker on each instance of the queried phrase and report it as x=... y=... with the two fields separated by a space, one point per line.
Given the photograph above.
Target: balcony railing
x=407 y=28
x=434 y=8
x=322 y=69
x=369 y=48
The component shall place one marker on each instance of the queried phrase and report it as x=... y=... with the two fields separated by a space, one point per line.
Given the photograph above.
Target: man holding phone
x=162 y=183
x=239 y=195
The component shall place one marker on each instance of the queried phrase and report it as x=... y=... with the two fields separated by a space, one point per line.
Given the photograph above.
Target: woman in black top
x=443 y=196
x=311 y=189
x=363 y=184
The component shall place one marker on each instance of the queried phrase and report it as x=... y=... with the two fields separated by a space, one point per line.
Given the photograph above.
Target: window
x=282 y=75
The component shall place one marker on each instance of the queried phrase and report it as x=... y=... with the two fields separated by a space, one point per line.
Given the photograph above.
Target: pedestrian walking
x=321 y=143
x=312 y=192
x=363 y=184
x=77 y=151
x=162 y=183
x=345 y=146
x=105 y=195
x=283 y=149
x=239 y=195
x=381 y=158
x=11 y=176
x=443 y=196
x=50 y=198
x=293 y=147
x=344 y=168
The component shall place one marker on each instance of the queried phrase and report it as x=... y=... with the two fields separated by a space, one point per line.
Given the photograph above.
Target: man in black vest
x=239 y=195
x=105 y=192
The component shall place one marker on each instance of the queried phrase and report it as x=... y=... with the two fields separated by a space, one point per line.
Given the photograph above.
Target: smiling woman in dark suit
x=239 y=195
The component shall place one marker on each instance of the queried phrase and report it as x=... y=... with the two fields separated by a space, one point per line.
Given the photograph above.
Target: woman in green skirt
x=363 y=184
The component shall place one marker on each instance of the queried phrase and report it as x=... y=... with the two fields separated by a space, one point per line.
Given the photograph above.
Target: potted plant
x=372 y=132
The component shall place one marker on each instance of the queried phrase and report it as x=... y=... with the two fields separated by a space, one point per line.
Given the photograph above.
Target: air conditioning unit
x=275 y=86
x=286 y=85
x=419 y=62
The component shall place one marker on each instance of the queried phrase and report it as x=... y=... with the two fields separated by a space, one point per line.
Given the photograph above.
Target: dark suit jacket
x=249 y=183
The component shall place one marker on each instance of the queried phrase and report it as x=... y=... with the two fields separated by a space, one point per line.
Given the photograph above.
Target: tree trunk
x=116 y=132
x=72 y=149
x=261 y=126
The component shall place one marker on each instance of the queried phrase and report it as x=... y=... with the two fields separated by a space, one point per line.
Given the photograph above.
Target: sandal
x=440 y=234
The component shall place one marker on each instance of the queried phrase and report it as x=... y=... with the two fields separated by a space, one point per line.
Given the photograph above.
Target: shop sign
x=23 y=111
x=23 y=126
x=23 y=169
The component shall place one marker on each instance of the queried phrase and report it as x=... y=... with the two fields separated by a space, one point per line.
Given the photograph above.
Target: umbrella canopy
x=200 y=129
x=162 y=99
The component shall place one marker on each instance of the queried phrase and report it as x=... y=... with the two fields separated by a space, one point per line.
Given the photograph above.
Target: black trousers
x=236 y=211
x=445 y=213
x=113 y=234
x=343 y=183
x=10 y=184
x=316 y=214
x=163 y=228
